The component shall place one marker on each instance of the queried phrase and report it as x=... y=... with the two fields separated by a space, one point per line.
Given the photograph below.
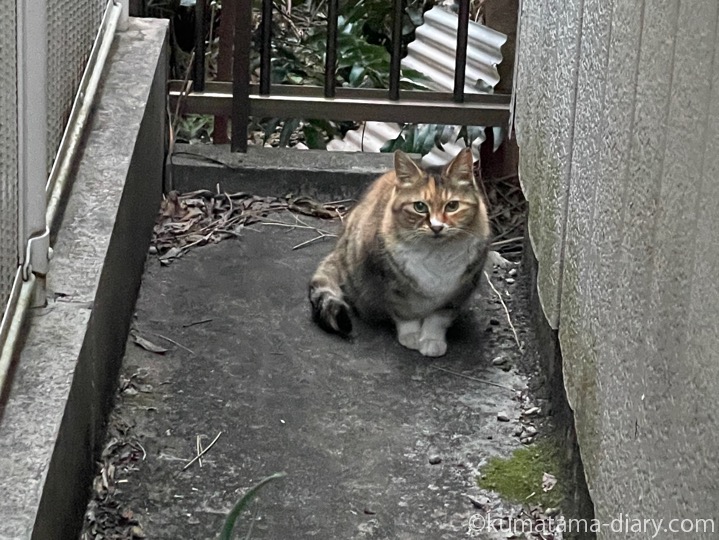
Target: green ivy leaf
x=314 y=137
x=269 y=127
x=290 y=126
x=356 y=75
x=393 y=144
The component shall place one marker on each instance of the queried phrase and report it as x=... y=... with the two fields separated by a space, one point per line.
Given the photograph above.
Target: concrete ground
x=376 y=440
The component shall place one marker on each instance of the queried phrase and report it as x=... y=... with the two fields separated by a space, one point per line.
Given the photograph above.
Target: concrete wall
x=62 y=380
x=617 y=118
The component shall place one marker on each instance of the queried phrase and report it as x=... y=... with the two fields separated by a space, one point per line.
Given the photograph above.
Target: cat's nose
x=436 y=229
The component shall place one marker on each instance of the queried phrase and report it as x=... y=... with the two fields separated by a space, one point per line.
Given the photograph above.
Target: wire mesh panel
x=8 y=151
x=71 y=29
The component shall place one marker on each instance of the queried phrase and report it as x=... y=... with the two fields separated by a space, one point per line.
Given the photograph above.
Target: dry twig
x=476 y=379
x=311 y=240
x=198 y=448
x=200 y=454
x=174 y=343
x=506 y=310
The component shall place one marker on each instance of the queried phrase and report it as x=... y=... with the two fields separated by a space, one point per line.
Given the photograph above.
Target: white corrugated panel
x=433 y=54
x=435 y=45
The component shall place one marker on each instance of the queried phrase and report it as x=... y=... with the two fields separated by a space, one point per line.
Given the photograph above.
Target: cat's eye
x=451 y=206
x=421 y=207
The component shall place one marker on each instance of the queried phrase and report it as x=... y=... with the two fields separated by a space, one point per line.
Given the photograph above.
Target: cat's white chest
x=436 y=268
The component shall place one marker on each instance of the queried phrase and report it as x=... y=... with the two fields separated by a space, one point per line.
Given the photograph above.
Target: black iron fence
x=240 y=99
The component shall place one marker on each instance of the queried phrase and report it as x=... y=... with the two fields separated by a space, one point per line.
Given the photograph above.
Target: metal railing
x=240 y=99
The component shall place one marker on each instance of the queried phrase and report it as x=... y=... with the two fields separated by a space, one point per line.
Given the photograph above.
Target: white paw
x=432 y=347
x=410 y=340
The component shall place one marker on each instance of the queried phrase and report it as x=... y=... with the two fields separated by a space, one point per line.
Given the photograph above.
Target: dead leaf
x=310 y=207
x=172 y=254
x=201 y=217
x=148 y=345
x=170 y=205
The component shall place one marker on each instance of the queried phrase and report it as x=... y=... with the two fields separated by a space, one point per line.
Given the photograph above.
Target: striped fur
x=411 y=251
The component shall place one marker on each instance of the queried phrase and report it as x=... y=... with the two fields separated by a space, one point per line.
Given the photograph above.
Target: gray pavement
x=352 y=423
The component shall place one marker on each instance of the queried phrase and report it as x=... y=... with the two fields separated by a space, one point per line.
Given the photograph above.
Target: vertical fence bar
x=225 y=35
x=331 y=54
x=198 y=68
x=266 y=48
x=394 y=68
x=461 y=56
x=241 y=76
x=32 y=140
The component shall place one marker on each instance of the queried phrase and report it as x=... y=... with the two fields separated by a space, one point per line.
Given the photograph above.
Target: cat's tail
x=329 y=308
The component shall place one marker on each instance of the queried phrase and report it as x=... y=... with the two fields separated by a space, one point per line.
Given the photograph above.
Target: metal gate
x=240 y=99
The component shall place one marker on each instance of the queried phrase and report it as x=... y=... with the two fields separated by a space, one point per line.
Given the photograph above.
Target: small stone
x=530 y=431
x=512 y=272
x=153 y=250
x=434 y=459
x=526 y=440
x=506 y=367
x=500 y=360
x=494 y=322
x=532 y=411
x=551 y=512
x=509 y=280
x=503 y=417
x=480 y=502
x=518 y=431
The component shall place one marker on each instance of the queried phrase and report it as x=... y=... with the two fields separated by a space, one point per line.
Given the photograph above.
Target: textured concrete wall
x=617 y=122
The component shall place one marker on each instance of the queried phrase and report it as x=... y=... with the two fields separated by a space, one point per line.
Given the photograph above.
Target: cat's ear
x=461 y=169
x=406 y=170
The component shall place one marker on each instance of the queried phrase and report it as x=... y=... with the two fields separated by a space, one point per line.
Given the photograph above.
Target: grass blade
x=228 y=528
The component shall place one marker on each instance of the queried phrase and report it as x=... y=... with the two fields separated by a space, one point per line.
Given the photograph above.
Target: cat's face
x=437 y=205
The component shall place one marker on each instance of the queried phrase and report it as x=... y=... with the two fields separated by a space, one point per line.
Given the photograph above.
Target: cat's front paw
x=432 y=347
x=409 y=340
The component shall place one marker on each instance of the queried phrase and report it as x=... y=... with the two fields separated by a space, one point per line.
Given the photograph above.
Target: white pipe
x=80 y=111
x=13 y=326
x=31 y=123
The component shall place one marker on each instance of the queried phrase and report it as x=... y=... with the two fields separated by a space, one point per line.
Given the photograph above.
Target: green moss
x=519 y=478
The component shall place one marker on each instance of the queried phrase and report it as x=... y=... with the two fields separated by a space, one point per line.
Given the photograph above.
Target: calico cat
x=412 y=250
